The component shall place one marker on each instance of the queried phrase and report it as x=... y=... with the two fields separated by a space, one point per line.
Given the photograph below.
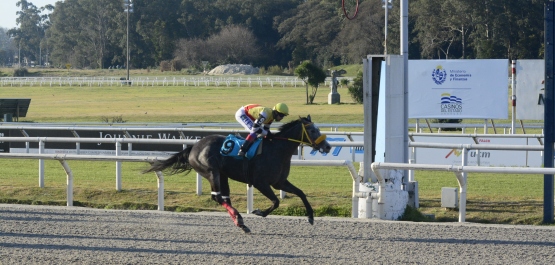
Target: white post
x=160 y=190
x=69 y=183
x=118 y=167
x=404 y=40
x=250 y=199
x=462 y=186
x=199 y=184
x=368 y=206
x=513 y=90
x=356 y=188
x=41 y=165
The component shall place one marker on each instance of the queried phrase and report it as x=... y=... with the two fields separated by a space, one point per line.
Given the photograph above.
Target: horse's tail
x=178 y=162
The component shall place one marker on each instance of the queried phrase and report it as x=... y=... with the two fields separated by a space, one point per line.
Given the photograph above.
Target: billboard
x=457 y=89
x=100 y=148
x=529 y=89
x=498 y=158
x=354 y=154
x=337 y=153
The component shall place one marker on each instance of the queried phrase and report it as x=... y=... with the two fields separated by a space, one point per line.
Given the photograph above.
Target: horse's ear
x=308 y=118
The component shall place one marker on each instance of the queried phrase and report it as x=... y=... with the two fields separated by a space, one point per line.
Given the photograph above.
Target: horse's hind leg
x=288 y=187
x=226 y=202
x=224 y=187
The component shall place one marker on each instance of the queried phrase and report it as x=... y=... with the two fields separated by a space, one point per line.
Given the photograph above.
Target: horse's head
x=316 y=140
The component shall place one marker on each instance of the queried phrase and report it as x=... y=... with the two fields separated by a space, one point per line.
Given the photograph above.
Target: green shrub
x=274 y=70
x=115 y=119
x=356 y=90
x=448 y=121
x=344 y=82
x=20 y=72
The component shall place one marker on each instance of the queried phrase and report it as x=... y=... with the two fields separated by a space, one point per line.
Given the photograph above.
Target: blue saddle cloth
x=233 y=143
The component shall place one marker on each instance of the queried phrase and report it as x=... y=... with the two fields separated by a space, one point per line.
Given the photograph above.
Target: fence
x=193 y=81
x=460 y=171
x=119 y=158
x=464 y=127
x=460 y=174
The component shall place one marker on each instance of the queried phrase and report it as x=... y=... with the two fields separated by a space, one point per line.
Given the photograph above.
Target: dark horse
x=270 y=168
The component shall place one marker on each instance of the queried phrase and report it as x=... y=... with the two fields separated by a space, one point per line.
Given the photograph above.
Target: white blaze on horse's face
x=319 y=140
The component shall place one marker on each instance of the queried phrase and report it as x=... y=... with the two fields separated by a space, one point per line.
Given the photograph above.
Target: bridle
x=310 y=142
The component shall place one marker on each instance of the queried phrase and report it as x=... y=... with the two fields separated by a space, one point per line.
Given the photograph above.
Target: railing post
x=461 y=177
x=41 y=165
x=69 y=183
x=118 y=167
x=199 y=184
x=160 y=190
x=250 y=199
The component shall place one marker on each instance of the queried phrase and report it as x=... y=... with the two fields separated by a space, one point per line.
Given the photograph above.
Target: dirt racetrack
x=72 y=235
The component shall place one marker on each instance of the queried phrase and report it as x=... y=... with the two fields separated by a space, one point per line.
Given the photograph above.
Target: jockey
x=257 y=119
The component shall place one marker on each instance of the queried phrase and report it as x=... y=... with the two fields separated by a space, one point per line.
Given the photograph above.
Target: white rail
x=69 y=187
x=354 y=175
x=194 y=81
x=460 y=174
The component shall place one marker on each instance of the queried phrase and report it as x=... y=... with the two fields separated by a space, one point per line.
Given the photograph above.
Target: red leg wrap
x=232 y=212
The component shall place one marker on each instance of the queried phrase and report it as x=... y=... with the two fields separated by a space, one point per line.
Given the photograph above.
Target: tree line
x=285 y=33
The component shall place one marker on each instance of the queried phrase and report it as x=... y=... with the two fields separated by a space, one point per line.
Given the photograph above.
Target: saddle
x=232 y=144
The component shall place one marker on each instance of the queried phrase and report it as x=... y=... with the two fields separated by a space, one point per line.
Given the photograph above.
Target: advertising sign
x=498 y=158
x=457 y=89
x=103 y=148
x=530 y=101
x=337 y=153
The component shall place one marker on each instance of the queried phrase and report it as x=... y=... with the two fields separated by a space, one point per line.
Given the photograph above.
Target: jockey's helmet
x=282 y=108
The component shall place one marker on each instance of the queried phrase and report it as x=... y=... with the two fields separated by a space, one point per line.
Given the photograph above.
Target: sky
x=8 y=10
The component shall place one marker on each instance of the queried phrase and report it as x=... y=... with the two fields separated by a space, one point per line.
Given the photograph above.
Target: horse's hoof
x=239 y=220
x=258 y=212
x=311 y=220
x=245 y=229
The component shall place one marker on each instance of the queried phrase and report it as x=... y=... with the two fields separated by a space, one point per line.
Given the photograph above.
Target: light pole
x=40 y=53
x=127 y=8
x=387 y=4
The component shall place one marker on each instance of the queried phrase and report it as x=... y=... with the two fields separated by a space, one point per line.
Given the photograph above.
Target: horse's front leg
x=269 y=193
x=288 y=187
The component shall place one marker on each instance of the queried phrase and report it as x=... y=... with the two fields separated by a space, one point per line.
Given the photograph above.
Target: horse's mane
x=286 y=126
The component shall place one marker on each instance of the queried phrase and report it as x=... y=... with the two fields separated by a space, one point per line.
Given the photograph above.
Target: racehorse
x=270 y=168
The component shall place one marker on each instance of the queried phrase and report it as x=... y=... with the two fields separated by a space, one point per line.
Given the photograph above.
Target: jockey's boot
x=246 y=146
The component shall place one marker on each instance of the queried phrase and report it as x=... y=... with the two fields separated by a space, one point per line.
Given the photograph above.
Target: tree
x=158 y=28
x=435 y=39
x=7 y=48
x=87 y=33
x=311 y=75
x=309 y=32
x=32 y=25
x=234 y=44
x=363 y=35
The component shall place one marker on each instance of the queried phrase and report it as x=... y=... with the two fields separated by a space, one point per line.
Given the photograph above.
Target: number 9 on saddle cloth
x=232 y=143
